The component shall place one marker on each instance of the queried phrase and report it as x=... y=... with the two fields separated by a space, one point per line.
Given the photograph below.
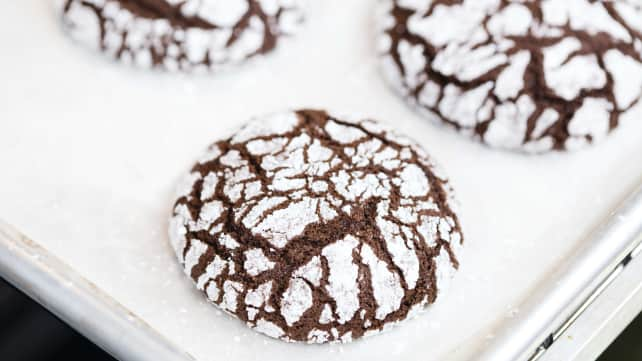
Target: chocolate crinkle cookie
x=316 y=229
x=181 y=34
x=528 y=75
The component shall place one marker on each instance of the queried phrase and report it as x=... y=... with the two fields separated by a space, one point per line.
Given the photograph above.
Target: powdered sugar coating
x=316 y=229
x=181 y=34
x=530 y=75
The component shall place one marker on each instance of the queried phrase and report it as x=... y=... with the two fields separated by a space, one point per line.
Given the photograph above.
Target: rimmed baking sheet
x=90 y=152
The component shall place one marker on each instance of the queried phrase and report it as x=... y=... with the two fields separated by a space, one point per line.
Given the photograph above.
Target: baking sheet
x=578 y=282
x=604 y=320
x=66 y=293
x=90 y=152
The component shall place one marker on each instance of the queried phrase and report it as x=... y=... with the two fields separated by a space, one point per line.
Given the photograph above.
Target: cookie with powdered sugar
x=532 y=75
x=181 y=34
x=315 y=229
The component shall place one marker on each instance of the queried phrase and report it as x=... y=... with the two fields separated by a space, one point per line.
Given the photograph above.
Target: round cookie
x=528 y=75
x=315 y=229
x=181 y=34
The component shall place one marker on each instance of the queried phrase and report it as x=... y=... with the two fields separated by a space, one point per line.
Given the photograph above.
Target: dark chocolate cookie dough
x=316 y=229
x=181 y=34
x=530 y=75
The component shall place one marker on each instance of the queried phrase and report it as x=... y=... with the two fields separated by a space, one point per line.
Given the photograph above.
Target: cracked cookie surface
x=184 y=35
x=315 y=229
x=529 y=75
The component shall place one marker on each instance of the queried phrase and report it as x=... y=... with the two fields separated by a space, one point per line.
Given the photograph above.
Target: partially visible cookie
x=315 y=229
x=181 y=34
x=529 y=75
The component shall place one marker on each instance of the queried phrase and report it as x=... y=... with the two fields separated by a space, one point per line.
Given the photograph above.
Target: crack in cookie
x=532 y=75
x=181 y=34
x=315 y=229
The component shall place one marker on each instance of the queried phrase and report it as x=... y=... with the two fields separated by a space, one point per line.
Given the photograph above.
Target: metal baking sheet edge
x=99 y=317
x=572 y=287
